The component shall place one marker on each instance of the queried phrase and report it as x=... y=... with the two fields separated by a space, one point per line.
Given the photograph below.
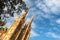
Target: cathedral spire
x=15 y=27
x=25 y=13
x=27 y=29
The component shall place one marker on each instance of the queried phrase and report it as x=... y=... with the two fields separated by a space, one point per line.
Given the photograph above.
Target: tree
x=9 y=7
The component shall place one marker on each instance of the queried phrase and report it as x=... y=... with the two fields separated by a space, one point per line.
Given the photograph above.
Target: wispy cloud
x=33 y=25
x=53 y=5
x=53 y=35
x=58 y=21
x=48 y=7
x=34 y=34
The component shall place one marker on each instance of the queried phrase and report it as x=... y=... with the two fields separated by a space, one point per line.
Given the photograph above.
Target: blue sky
x=46 y=24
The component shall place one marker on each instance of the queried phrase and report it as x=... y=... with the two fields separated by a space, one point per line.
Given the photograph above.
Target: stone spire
x=25 y=33
x=19 y=31
x=25 y=13
x=15 y=28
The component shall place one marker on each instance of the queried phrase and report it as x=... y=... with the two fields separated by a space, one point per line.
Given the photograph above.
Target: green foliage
x=0 y=20
x=3 y=27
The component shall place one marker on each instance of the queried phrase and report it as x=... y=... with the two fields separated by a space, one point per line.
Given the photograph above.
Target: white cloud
x=50 y=3
x=53 y=35
x=54 y=5
x=33 y=25
x=58 y=21
x=33 y=34
x=42 y=7
x=54 y=29
x=28 y=3
x=49 y=6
